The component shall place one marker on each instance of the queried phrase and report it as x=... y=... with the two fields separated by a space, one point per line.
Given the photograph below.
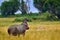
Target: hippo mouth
x=27 y=28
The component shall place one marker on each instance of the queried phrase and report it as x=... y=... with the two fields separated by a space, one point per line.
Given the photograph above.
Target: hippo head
x=25 y=23
x=26 y=26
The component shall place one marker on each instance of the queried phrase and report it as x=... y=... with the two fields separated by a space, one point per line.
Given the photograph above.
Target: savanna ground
x=45 y=30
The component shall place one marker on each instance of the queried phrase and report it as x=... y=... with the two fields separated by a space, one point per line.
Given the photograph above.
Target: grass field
x=47 y=30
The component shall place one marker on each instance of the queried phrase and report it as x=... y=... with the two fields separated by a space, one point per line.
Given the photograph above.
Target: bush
x=21 y=19
x=52 y=18
x=36 y=18
x=18 y=20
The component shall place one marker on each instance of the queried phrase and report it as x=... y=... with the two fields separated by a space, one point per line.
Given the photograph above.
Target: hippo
x=18 y=29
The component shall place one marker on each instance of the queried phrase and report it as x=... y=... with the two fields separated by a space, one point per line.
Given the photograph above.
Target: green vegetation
x=9 y=7
x=52 y=6
x=34 y=16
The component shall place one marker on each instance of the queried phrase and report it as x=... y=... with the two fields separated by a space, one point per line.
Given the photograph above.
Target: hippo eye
x=26 y=25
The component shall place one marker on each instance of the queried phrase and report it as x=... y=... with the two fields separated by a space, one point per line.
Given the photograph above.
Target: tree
x=41 y=5
x=9 y=7
x=52 y=6
x=23 y=7
x=3 y=9
x=15 y=5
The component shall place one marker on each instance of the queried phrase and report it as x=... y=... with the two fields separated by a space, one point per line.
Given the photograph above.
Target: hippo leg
x=18 y=35
x=23 y=34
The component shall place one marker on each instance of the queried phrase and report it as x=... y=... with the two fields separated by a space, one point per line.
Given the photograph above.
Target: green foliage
x=41 y=5
x=52 y=6
x=52 y=17
x=34 y=17
x=9 y=7
x=21 y=19
x=18 y=20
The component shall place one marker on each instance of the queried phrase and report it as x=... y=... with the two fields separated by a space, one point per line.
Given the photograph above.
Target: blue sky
x=32 y=8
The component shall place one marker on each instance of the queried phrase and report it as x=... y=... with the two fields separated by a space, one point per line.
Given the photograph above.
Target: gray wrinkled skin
x=18 y=29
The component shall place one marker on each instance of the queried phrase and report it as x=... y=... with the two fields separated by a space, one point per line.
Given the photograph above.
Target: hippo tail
x=9 y=31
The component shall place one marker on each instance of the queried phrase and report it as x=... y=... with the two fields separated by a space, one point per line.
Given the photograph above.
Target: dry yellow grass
x=38 y=30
